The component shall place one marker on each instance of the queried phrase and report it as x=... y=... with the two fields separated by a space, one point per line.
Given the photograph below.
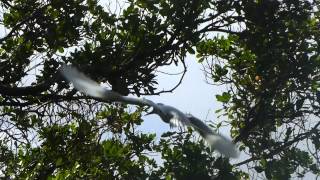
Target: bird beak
x=149 y=113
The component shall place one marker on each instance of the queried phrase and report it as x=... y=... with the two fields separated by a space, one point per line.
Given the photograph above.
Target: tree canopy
x=265 y=52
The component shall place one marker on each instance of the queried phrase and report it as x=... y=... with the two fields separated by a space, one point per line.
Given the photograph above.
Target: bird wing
x=216 y=141
x=177 y=118
x=175 y=122
x=83 y=83
x=90 y=87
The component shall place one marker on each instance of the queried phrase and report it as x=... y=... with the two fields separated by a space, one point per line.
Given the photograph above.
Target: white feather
x=82 y=83
x=216 y=141
x=222 y=145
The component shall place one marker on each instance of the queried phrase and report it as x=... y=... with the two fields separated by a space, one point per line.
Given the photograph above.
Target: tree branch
x=300 y=137
x=29 y=90
x=17 y=26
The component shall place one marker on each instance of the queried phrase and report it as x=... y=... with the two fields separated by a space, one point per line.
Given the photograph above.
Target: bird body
x=172 y=116
x=169 y=114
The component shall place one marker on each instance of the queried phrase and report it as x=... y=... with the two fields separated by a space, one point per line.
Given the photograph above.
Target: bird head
x=159 y=110
x=153 y=111
x=156 y=110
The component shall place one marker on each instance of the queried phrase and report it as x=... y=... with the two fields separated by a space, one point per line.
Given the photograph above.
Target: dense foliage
x=266 y=52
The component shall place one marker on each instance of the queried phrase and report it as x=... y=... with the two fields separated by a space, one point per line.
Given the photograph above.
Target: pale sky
x=193 y=96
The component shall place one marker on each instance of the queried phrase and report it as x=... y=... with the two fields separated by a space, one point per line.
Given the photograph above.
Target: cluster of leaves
x=47 y=129
x=77 y=150
x=183 y=159
x=269 y=57
x=272 y=70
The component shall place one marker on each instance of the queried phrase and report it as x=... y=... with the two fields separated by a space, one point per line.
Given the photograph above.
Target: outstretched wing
x=83 y=83
x=88 y=86
x=216 y=141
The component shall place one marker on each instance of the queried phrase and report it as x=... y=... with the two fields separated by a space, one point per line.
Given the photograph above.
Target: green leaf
x=60 y=49
x=59 y=161
x=168 y=177
x=259 y=169
x=190 y=50
x=224 y=98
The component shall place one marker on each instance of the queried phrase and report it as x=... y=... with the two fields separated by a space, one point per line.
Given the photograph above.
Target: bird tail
x=216 y=141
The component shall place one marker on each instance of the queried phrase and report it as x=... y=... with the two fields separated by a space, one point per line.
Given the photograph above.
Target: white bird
x=167 y=113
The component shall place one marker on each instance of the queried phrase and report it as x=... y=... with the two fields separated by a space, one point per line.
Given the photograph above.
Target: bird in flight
x=168 y=114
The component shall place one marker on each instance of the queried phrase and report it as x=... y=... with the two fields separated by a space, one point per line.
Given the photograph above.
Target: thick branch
x=28 y=90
